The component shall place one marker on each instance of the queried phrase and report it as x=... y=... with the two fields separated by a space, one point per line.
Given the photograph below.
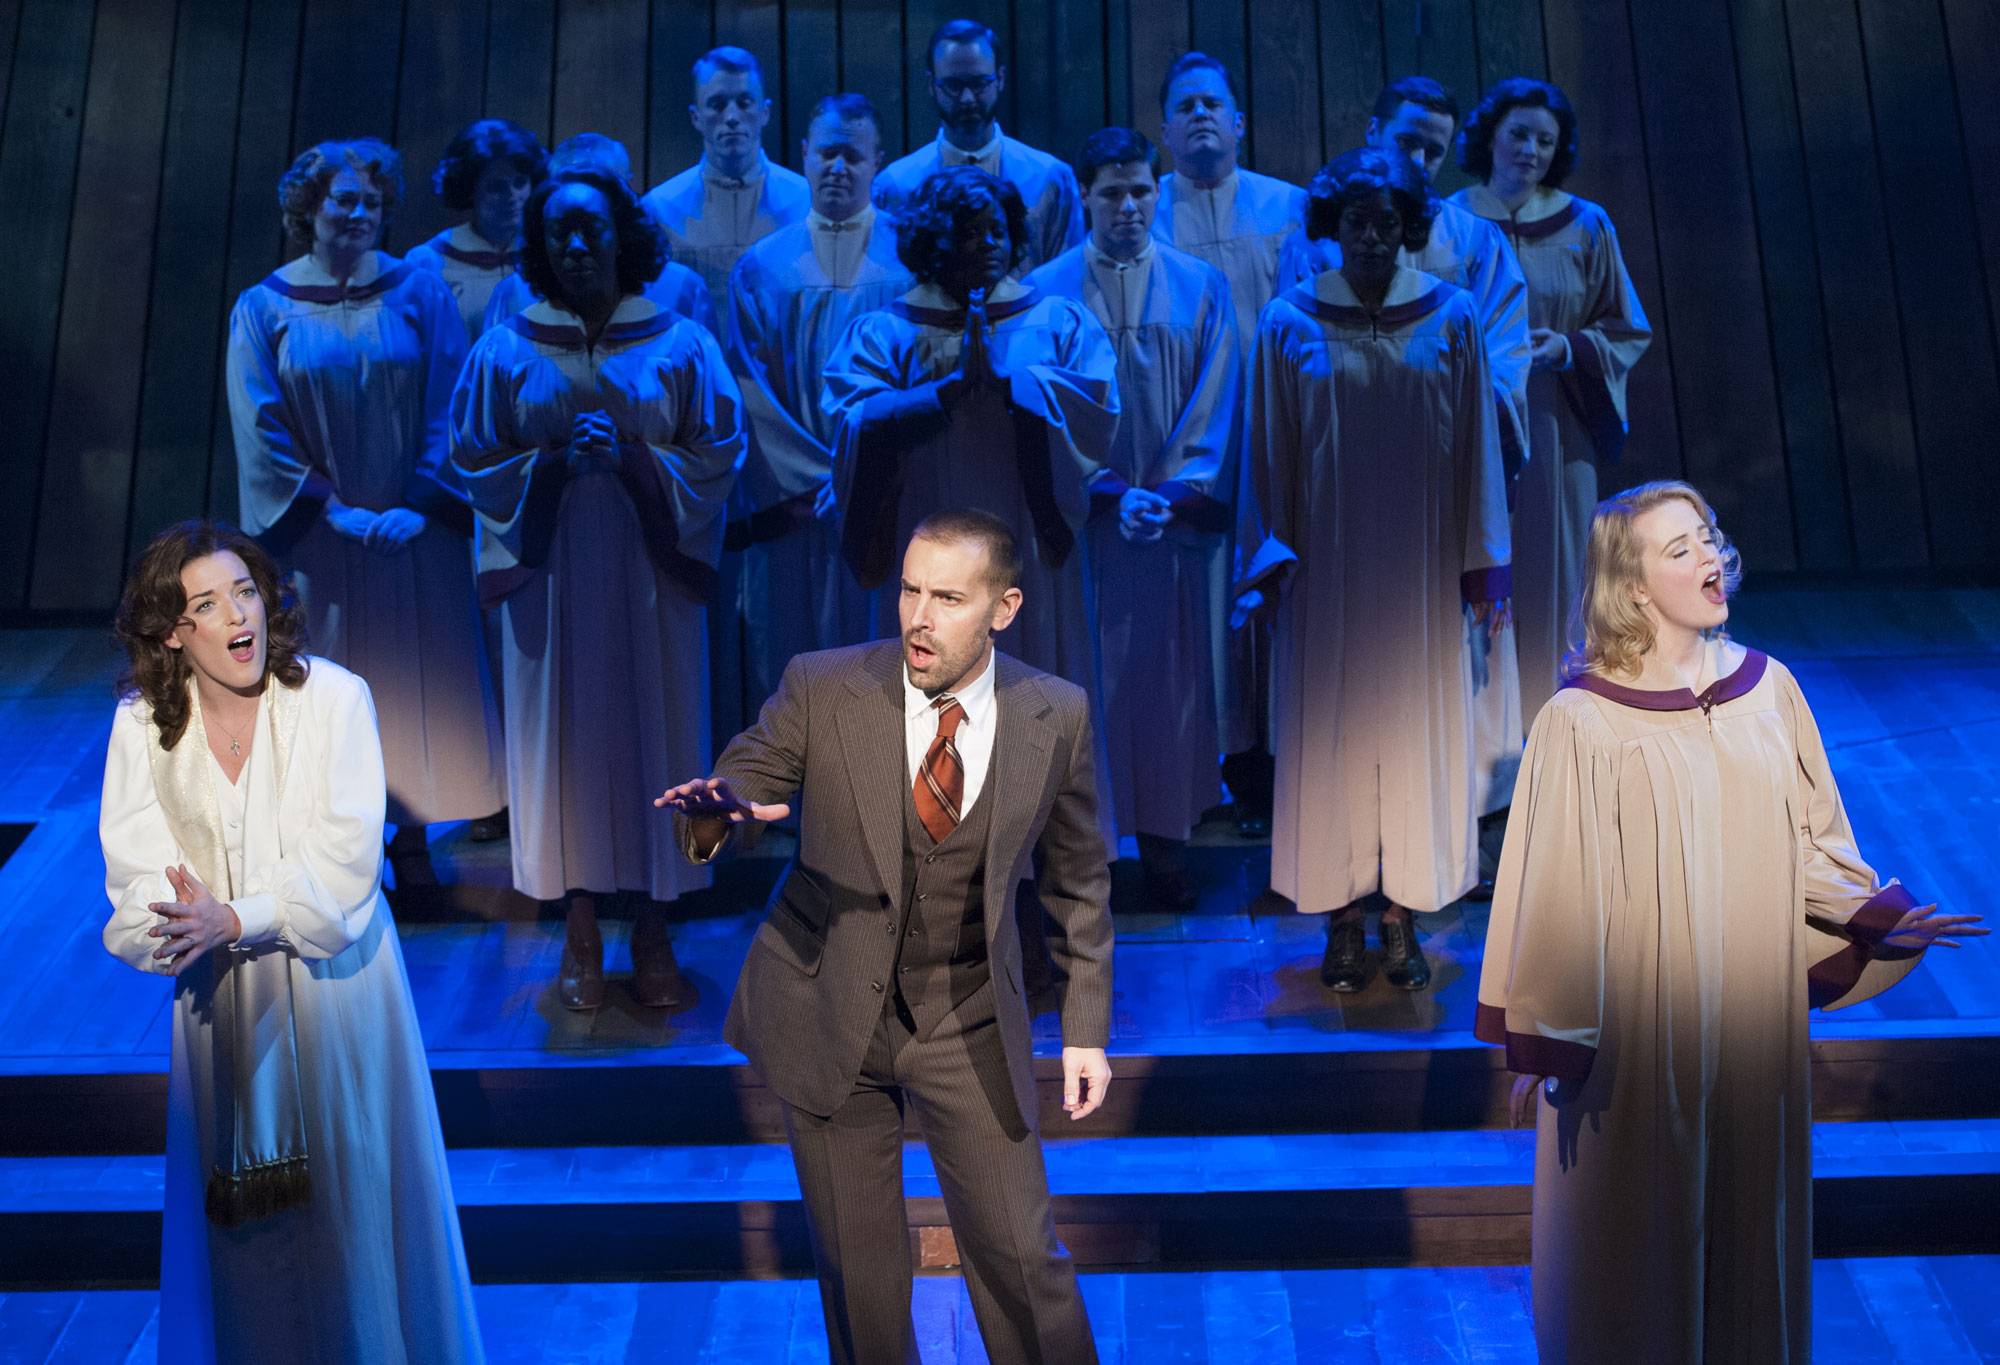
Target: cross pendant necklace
x=235 y=741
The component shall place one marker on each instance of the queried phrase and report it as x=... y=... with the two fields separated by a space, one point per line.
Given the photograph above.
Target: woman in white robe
x=599 y=437
x=487 y=172
x=1159 y=533
x=308 y=1212
x=340 y=369
x=1376 y=457
x=1679 y=886
x=1586 y=330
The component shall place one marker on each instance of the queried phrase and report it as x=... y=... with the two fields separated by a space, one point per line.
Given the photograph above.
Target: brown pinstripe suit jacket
x=813 y=985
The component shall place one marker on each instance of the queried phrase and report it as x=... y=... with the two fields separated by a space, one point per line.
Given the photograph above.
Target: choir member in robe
x=1416 y=117
x=340 y=368
x=713 y=210
x=1159 y=533
x=487 y=171
x=1376 y=460
x=1005 y=402
x=791 y=298
x=1586 y=331
x=308 y=1211
x=676 y=289
x=1679 y=886
x=1237 y=221
x=599 y=436
x=966 y=78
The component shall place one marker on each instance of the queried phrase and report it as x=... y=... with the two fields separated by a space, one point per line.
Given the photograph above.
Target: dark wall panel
x=45 y=98
x=1802 y=188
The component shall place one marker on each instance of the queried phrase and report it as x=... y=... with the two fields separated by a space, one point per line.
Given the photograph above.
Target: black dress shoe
x=489 y=829
x=1403 y=960
x=1345 y=967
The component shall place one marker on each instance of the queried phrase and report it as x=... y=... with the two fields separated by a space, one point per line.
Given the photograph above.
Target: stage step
x=1353 y=1081
x=1414 y=1198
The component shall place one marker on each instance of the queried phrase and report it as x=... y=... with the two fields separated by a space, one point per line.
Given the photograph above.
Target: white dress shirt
x=975 y=733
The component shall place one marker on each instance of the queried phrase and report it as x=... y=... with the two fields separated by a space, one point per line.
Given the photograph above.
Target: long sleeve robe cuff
x=1885 y=909
x=1486 y=585
x=1532 y=1054
x=258 y=915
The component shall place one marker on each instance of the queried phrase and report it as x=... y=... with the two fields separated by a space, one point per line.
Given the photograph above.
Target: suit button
x=906 y=971
x=891 y=927
x=930 y=857
x=875 y=986
x=923 y=895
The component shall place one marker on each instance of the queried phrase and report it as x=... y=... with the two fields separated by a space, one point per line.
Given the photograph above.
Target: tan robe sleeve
x=1541 y=991
x=1848 y=909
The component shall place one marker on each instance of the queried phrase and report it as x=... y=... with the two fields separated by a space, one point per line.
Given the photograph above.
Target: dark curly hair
x=924 y=232
x=152 y=607
x=642 y=250
x=1475 y=141
x=478 y=145
x=1364 y=171
x=302 y=189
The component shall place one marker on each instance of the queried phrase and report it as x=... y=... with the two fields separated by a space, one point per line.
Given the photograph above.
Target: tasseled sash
x=259 y=1165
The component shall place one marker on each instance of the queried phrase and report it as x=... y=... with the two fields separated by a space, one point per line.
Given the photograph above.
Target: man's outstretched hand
x=712 y=798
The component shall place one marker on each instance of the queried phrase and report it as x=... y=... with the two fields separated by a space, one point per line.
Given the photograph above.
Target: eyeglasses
x=955 y=86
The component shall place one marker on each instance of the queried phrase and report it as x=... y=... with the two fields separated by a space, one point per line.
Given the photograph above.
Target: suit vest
x=941 y=937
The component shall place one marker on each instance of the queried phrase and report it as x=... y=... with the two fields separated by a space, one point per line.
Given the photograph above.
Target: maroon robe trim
x=1530 y=1054
x=1833 y=977
x=539 y=506
x=953 y=319
x=1746 y=676
x=308 y=505
x=478 y=260
x=1540 y=227
x=572 y=338
x=339 y=293
x=1353 y=315
x=1487 y=585
x=1590 y=398
x=639 y=471
x=438 y=502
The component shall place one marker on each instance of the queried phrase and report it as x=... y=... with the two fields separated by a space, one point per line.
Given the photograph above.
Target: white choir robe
x=1163 y=607
x=1473 y=254
x=1375 y=453
x=676 y=289
x=469 y=265
x=601 y=574
x=791 y=297
x=1240 y=227
x=1679 y=887
x=711 y=220
x=372 y=1268
x=1047 y=184
x=1577 y=285
x=347 y=391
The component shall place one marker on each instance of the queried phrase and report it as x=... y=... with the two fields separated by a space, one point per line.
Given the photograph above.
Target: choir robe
x=791 y=298
x=711 y=220
x=1376 y=459
x=1239 y=227
x=601 y=574
x=371 y=1269
x=1577 y=285
x=469 y=265
x=1162 y=607
x=678 y=290
x=1472 y=253
x=1678 y=887
x=1047 y=185
x=347 y=391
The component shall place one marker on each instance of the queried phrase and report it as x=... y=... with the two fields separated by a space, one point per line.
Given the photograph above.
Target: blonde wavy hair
x=1608 y=631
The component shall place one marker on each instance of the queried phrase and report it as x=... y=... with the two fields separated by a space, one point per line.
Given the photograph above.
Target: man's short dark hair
x=727 y=58
x=1475 y=142
x=958 y=525
x=1113 y=147
x=1365 y=171
x=1418 y=90
x=961 y=31
x=1196 y=61
x=846 y=108
x=926 y=227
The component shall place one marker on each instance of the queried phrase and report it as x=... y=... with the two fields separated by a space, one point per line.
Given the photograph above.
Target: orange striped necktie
x=940 y=785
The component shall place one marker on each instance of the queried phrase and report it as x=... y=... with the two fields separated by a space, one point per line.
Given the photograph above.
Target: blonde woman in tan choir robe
x=1375 y=455
x=1674 y=795
x=1586 y=331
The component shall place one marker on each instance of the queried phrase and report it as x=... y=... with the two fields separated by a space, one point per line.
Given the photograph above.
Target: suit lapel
x=871 y=738
x=1022 y=742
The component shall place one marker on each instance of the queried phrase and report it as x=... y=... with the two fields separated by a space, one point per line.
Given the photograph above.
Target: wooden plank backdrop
x=1803 y=189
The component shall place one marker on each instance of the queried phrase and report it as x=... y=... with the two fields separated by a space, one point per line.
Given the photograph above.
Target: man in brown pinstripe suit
x=887 y=974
